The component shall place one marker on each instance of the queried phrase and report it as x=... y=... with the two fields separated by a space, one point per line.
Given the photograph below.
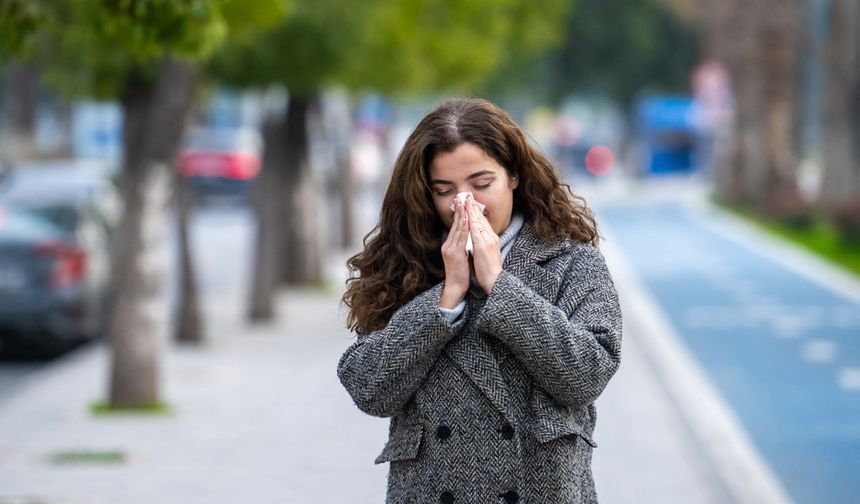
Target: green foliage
x=392 y=46
x=147 y=29
x=88 y=457
x=303 y=52
x=245 y=19
x=821 y=238
x=104 y=409
x=19 y=23
x=621 y=47
x=537 y=28
x=92 y=47
x=424 y=44
x=538 y=33
x=79 y=56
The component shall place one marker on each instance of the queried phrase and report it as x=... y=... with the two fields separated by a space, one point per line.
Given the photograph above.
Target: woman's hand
x=487 y=253
x=456 y=259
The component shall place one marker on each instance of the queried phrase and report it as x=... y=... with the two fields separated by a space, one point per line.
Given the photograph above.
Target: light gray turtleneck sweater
x=507 y=239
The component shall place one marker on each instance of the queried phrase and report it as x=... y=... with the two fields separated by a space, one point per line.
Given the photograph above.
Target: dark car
x=220 y=162
x=54 y=252
x=43 y=299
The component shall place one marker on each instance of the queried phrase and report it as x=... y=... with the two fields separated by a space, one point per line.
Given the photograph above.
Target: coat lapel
x=472 y=352
x=526 y=257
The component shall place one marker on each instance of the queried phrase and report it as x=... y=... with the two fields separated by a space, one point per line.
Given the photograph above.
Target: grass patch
x=326 y=287
x=103 y=408
x=98 y=457
x=821 y=237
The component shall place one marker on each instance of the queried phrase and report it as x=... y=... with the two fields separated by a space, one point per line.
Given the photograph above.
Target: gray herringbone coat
x=498 y=407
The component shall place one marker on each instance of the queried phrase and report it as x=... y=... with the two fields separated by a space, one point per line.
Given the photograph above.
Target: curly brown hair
x=402 y=253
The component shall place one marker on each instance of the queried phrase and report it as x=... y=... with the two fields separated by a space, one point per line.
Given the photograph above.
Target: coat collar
x=472 y=351
x=526 y=258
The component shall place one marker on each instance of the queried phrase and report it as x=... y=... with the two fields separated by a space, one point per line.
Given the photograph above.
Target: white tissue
x=462 y=197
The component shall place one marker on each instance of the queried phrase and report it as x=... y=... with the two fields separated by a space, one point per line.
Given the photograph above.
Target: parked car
x=221 y=162
x=587 y=136
x=55 y=230
x=45 y=301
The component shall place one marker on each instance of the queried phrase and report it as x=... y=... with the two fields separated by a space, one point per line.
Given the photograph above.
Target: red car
x=221 y=162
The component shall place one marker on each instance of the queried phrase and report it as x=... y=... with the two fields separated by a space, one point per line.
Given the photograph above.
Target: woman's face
x=468 y=169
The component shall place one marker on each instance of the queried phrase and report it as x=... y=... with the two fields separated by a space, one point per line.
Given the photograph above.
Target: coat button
x=511 y=497
x=446 y=498
x=507 y=431
x=443 y=432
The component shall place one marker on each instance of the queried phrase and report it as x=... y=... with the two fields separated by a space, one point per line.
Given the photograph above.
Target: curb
x=780 y=250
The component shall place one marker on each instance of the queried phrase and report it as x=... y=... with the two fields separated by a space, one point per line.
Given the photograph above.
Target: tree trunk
x=776 y=191
x=20 y=101
x=338 y=133
x=301 y=262
x=267 y=202
x=65 y=146
x=841 y=153
x=722 y=34
x=757 y=42
x=346 y=188
x=154 y=118
x=748 y=69
x=188 y=325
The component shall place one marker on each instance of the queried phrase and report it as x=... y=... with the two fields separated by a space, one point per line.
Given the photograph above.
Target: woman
x=488 y=362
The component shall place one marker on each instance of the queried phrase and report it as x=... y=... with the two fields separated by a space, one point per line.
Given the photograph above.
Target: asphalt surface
x=782 y=349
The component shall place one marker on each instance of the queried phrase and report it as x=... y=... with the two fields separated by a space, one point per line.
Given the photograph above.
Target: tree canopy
x=618 y=48
x=391 y=46
x=91 y=47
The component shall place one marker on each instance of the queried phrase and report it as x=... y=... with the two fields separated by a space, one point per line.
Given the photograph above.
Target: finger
x=469 y=207
x=458 y=213
x=476 y=234
x=453 y=233
x=483 y=235
x=478 y=222
x=463 y=228
x=470 y=212
x=481 y=222
x=455 y=236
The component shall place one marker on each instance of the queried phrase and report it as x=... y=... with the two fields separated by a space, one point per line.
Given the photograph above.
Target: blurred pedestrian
x=488 y=362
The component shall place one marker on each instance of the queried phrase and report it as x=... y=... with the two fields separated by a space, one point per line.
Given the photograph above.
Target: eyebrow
x=470 y=177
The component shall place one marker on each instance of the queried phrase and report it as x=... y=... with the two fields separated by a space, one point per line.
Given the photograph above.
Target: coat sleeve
x=571 y=348
x=382 y=370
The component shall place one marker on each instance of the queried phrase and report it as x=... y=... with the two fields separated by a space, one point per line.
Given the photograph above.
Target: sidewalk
x=260 y=417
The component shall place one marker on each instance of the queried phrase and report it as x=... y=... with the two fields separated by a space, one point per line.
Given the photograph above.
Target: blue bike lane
x=783 y=351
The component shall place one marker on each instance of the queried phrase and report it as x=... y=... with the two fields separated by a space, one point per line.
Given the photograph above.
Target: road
x=782 y=348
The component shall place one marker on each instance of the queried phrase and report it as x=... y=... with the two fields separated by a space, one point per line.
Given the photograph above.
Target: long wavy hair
x=402 y=254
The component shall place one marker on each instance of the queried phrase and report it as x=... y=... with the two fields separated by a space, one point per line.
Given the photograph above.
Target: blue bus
x=665 y=135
